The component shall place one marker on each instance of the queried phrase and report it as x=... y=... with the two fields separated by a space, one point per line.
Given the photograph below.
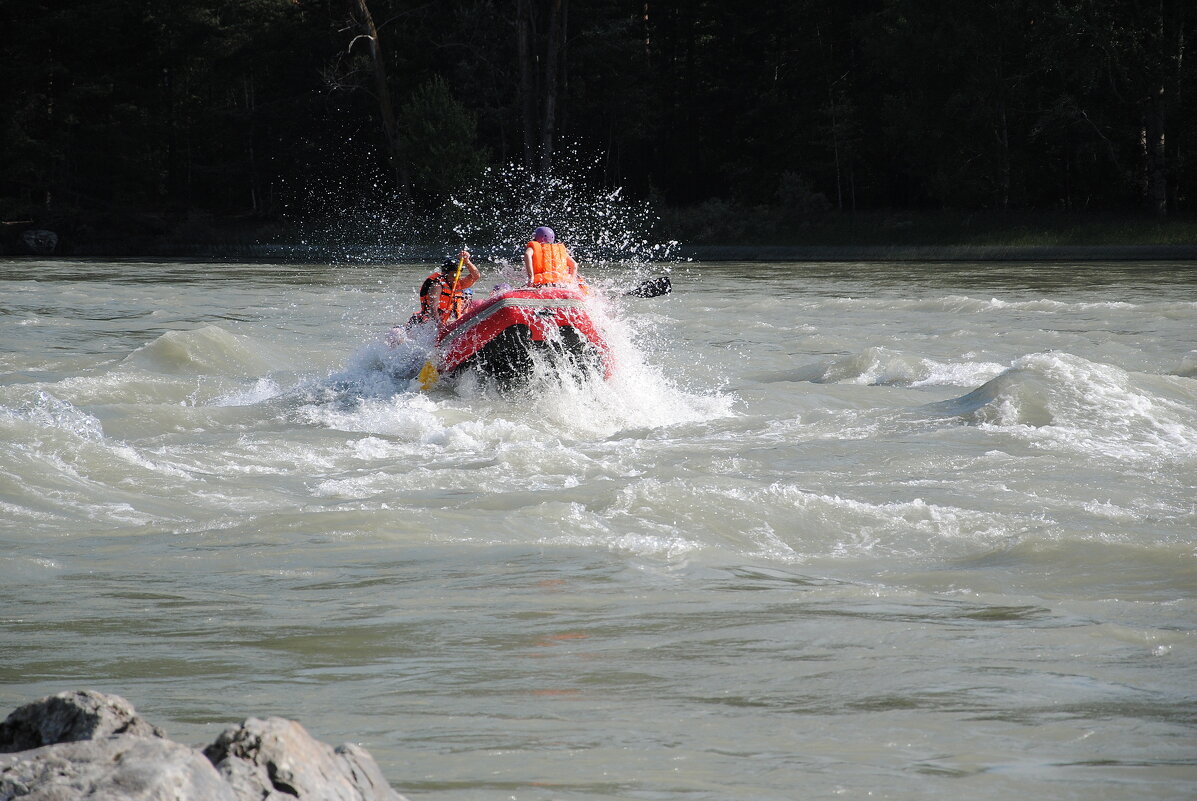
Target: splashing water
x=502 y=208
x=611 y=237
x=494 y=216
x=378 y=388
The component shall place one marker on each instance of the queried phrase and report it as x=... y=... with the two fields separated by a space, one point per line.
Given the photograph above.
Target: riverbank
x=732 y=233
x=373 y=254
x=726 y=233
x=977 y=253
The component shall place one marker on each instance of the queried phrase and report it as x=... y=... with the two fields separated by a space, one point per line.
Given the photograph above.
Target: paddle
x=652 y=288
x=453 y=291
x=428 y=376
x=428 y=373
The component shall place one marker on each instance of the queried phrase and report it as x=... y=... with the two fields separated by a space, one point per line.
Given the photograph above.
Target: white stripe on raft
x=528 y=303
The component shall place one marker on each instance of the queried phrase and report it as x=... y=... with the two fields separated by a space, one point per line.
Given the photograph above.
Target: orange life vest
x=550 y=263
x=451 y=305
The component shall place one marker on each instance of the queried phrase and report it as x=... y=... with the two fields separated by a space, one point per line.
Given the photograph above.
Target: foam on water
x=968 y=304
x=1062 y=401
x=786 y=523
x=45 y=411
x=263 y=389
x=881 y=366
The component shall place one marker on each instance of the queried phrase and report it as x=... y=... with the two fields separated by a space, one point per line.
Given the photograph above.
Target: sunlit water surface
x=898 y=531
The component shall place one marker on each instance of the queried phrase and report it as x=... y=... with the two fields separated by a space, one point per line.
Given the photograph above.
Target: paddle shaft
x=453 y=291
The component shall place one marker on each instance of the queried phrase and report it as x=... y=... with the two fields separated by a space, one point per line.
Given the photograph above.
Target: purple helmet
x=544 y=234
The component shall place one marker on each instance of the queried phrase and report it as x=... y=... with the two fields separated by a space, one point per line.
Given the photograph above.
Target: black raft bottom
x=511 y=358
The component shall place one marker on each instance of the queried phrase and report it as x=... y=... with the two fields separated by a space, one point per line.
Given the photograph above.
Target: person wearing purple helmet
x=547 y=261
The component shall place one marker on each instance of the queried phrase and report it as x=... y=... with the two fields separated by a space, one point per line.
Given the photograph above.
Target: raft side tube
x=499 y=335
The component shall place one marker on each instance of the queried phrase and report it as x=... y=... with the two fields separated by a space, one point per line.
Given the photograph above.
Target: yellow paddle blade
x=428 y=376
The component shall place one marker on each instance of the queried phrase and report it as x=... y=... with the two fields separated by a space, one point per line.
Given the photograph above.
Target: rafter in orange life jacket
x=451 y=304
x=550 y=263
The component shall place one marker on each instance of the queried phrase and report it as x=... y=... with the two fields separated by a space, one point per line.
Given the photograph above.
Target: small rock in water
x=90 y=745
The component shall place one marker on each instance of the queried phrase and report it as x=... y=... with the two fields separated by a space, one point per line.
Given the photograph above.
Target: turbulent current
x=898 y=531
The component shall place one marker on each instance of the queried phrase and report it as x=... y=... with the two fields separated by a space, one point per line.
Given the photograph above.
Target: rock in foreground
x=70 y=717
x=261 y=757
x=89 y=745
x=126 y=767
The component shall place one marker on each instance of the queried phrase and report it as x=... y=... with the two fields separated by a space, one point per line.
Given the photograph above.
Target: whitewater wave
x=59 y=463
x=962 y=303
x=1188 y=365
x=210 y=350
x=886 y=367
x=1064 y=401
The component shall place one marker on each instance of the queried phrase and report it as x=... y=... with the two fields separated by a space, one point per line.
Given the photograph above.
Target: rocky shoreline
x=85 y=744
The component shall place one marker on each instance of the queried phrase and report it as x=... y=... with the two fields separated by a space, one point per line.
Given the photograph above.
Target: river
x=896 y=531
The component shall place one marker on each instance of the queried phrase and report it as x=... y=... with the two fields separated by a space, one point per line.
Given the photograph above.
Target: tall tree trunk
x=1155 y=165
x=1155 y=108
x=523 y=36
x=1154 y=152
x=51 y=171
x=563 y=69
x=552 y=70
x=648 y=38
x=382 y=88
x=1004 y=158
x=828 y=60
x=835 y=148
x=1178 y=93
x=250 y=88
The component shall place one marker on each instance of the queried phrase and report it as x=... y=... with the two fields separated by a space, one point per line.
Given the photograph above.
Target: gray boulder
x=122 y=768
x=276 y=759
x=84 y=744
x=70 y=717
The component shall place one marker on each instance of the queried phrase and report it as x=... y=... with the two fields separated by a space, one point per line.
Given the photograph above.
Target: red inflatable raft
x=505 y=336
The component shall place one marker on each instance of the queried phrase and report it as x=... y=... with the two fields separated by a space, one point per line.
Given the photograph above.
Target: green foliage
x=441 y=139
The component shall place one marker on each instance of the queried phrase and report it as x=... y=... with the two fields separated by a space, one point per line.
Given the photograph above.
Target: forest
x=128 y=117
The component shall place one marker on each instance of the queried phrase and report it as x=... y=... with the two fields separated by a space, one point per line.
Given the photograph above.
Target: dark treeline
x=256 y=108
